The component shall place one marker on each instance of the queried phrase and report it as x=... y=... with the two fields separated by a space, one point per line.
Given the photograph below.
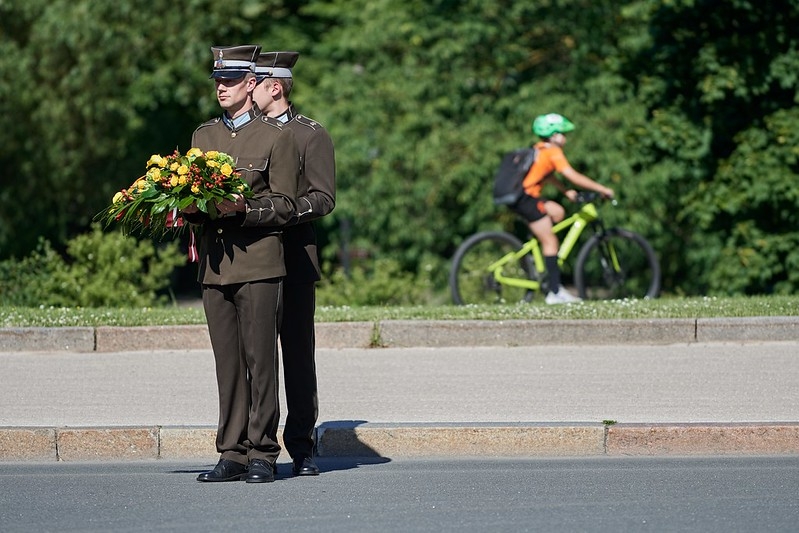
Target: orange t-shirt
x=550 y=158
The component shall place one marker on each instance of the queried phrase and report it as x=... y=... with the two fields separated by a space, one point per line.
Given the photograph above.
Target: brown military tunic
x=247 y=247
x=316 y=196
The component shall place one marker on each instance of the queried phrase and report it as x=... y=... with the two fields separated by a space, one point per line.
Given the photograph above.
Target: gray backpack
x=508 y=179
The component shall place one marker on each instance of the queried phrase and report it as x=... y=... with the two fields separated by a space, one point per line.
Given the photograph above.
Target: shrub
x=100 y=269
x=381 y=284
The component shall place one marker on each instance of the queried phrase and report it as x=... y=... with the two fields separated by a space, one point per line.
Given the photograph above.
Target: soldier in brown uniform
x=241 y=269
x=316 y=197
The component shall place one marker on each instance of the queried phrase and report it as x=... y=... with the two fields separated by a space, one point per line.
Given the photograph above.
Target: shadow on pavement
x=339 y=440
x=337 y=448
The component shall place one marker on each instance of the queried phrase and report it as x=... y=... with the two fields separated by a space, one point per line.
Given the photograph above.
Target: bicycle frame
x=576 y=224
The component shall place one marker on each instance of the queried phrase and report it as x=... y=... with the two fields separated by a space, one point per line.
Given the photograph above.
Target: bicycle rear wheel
x=470 y=282
x=617 y=264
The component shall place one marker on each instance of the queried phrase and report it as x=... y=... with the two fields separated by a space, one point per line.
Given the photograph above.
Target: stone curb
x=358 y=439
x=46 y=339
x=421 y=333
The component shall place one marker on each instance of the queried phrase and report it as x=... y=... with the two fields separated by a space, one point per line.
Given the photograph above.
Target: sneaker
x=561 y=297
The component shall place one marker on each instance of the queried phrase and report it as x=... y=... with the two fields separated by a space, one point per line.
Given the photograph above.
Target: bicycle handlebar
x=584 y=197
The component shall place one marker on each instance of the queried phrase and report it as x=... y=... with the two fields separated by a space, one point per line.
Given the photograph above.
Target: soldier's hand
x=227 y=207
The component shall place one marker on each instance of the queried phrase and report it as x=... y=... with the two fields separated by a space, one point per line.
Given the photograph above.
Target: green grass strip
x=706 y=307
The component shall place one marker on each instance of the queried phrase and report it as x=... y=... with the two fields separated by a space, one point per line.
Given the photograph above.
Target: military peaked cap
x=231 y=62
x=275 y=64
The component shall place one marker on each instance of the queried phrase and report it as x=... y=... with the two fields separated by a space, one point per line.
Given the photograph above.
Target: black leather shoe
x=259 y=471
x=225 y=470
x=304 y=466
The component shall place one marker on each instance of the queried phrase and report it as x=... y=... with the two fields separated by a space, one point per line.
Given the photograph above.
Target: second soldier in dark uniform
x=315 y=198
x=241 y=268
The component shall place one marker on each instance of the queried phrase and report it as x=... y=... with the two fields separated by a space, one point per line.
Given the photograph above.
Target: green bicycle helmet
x=547 y=125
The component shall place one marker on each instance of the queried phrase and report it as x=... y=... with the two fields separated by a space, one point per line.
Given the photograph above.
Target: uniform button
x=250 y=165
x=233 y=134
x=219 y=230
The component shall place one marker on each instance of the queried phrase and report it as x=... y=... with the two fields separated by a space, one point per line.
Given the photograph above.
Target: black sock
x=551 y=264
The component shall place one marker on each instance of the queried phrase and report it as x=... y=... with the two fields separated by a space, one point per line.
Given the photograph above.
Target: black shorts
x=529 y=208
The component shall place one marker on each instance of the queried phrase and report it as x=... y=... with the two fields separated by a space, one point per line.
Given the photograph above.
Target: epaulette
x=210 y=122
x=305 y=121
x=272 y=122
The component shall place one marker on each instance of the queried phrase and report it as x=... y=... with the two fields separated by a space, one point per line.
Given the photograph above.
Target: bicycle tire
x=638 y=275
x=470 y=281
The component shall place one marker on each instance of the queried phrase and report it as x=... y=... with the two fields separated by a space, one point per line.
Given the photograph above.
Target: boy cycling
x=541 y=213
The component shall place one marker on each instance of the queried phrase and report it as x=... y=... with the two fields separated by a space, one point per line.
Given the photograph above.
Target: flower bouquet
x=173 y=183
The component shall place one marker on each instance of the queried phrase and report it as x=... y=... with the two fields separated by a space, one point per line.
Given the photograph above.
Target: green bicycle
x=494 y=267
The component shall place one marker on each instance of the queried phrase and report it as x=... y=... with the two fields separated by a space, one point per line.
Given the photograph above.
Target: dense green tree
x=97 y=87
x=719 y=80
x=685 y=107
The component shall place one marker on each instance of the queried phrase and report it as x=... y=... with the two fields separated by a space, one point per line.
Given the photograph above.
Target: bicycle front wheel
x=471 y=282
x=617 y=264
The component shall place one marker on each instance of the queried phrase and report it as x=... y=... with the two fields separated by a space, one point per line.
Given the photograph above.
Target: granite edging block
x=344 y=334
x=410 y=333
x=703 y=439
x=511 y=441
x=146 y=338
x=74 y=339
x=107 y=444
x=28 y=444
x=196 y=337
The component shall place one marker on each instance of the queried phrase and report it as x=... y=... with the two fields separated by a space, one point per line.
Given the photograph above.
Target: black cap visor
x=229 y=74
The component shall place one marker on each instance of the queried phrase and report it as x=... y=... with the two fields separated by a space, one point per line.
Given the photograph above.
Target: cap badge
x=220 y=63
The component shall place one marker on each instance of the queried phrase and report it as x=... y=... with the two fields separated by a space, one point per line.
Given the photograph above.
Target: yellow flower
x=174 y=166
x=156 y=160
x=211 y=154
x=195 y=189
x=141 y=184
x=118 y=197
x=183 y=169
x=211 y=163
x=194 y=153
x=183 y=180
x=226 y=170
x=154 y=174
x=174 y=180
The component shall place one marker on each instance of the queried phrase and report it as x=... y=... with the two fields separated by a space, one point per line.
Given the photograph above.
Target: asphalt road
x=487 y=494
